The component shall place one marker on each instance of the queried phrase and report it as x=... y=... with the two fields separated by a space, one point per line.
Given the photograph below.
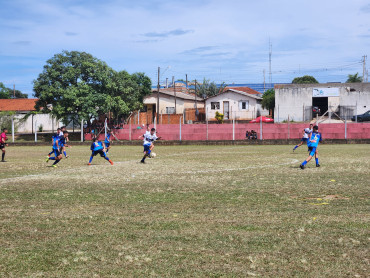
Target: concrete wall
x=291 y=99
x=235 y=112
x=196 y=132
x=40 y=119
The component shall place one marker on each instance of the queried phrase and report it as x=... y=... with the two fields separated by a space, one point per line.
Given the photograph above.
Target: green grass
x=193 y=211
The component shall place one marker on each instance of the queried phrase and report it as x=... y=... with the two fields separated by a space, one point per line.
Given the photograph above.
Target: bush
x=6 y=121
x=219 y=117
x=41 y=128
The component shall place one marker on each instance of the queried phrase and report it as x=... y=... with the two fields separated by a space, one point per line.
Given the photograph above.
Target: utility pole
x=13 y=90
x=270 y=54
x=174 y=90
x=264 y=82
x=364 y=79
x=159 y=70
x=166 y=82
x=186 y=81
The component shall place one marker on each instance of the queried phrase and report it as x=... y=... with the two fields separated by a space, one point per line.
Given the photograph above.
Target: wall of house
x=234 y=99
x=169 y=101
x=292 y=100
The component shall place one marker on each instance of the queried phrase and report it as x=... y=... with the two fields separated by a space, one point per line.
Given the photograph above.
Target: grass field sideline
x=208 y=211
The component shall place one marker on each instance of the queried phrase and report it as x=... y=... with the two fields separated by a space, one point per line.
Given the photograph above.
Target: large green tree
x=268 y=100
x=79 y=86
x=354 y=78
x=208 y=89
x=306 y=79
x=6 y=93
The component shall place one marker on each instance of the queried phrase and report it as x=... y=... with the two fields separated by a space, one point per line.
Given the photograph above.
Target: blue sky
x=224 y=41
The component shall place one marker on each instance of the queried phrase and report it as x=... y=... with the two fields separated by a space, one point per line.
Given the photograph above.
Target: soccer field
x=208 y=211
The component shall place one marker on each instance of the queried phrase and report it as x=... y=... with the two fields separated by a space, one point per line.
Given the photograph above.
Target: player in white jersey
x=149 y=137
x=306 y=134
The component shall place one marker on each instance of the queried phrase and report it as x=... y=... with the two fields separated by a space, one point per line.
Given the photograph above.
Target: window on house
x=215 y=105
x=170 y=110
x=244 y=105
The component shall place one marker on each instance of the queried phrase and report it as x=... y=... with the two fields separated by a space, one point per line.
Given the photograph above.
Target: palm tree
x=354 y=78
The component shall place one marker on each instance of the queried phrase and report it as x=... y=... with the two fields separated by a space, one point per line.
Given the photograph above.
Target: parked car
x=362 y=117
x=264 y=120
x=316 y=110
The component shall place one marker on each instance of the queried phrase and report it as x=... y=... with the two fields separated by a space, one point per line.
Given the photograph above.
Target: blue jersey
x=55 y=142
x=62 y=141
x=314 y=139
x=107 y=139
x=96 y=146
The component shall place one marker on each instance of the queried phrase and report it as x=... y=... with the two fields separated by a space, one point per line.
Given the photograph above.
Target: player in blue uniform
x=98 y=147
x=306 y=134
x=64 y=140
x=108 y=141
x=149 y=138
x=56 y=150
x=312 y=144
x=52 y=141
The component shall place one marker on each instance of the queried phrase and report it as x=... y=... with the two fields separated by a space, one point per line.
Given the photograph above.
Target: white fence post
x=345 y=129
x=13 y=128
x=130 y=129
x=233 y=130
x=82 y=130
x=207 y=122
x=180 y=128
x=36 y=131
x=261 y=128
x=288 y=127
x=105 y=128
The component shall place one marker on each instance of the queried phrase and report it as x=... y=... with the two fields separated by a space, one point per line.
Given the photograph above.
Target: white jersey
x=149 y=139
x=307 y=132
x=61 y=133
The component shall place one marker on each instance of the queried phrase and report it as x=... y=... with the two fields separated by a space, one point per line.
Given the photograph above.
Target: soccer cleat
x=88 y=163
x=110 y=161
x=67 y=156
x=317 y=165
x=142 y=161
x=47 y=159
x=54 y=166
x=48 y=155
x=3 y=160
x=301 y=166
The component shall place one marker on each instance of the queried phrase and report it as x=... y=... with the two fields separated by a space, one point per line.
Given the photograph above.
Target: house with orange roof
x=25 y=121
x=235 y=103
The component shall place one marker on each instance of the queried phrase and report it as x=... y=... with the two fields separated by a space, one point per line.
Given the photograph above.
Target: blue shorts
x=304 y=139
x=101 y=152
x=312 y=150
x=56 y=153
x=107 y=145
x=146 y=148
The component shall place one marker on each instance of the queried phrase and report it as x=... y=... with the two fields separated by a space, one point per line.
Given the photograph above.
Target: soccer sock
x=56 y=162
x=91 y=158
x=3 y=156
x=304 y=163
x=107 y=151
x=50 y=153
x=65 y=154
x=317 y=161
x=295 y=147
x=148 y=154
x=52 y=158
x=106 y=157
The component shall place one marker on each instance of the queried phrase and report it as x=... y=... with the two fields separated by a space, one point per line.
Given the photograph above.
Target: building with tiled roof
x=18 y=104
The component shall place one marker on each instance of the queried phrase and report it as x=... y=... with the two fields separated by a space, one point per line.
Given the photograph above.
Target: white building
x=24 y=121
x=299 y=102
x=239 y=103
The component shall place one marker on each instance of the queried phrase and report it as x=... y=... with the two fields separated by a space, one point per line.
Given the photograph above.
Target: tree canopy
x=6 y=93
x=78 y=86
x=306 y=79
x=354 y=78
x=208 y=89
x=268 y=100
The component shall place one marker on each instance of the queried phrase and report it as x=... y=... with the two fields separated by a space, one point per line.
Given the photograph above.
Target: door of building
x=226 y=110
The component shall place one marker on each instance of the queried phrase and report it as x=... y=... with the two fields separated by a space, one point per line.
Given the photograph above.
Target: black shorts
x=2 y=146
x=101 y=152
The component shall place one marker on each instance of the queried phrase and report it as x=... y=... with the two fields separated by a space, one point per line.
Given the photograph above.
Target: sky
x=223 y=41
